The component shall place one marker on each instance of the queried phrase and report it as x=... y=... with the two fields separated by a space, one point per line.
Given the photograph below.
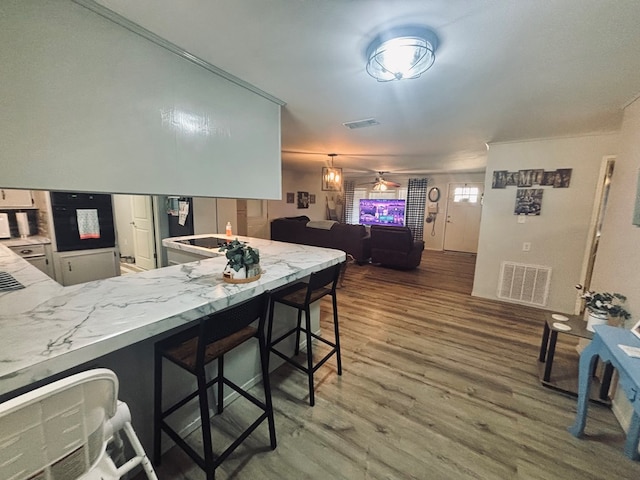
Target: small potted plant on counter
x=601 y=306
x=243 y=262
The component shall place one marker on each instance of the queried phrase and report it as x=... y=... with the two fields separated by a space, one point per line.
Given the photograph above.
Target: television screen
x=382 y=212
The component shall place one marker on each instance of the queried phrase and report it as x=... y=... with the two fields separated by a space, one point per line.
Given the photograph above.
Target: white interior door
x=464 y=210
x=143 y=236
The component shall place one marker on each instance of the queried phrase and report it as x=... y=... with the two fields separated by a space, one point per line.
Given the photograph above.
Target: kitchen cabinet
x=37 y=255
x=177 y=257
x=15 y=198
x=86 y=265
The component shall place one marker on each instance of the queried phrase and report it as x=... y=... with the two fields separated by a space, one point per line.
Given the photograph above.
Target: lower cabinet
x=86 y=265
x=177 y=257
x=37 y=255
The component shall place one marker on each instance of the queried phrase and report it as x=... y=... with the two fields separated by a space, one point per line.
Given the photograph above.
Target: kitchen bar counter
x=30 y=240
x=47 y=329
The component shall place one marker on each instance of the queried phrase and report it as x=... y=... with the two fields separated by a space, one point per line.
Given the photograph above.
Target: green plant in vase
x=602 y=305
x=242 y=259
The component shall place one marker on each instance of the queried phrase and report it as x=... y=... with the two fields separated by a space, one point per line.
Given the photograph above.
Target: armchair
x=395 y=247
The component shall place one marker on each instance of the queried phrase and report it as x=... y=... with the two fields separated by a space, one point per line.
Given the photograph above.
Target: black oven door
x=82 y=221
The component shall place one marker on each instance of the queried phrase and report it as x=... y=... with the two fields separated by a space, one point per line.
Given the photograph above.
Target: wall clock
x=434 y=194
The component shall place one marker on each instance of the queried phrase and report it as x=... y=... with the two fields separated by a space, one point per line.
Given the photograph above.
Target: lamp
x=332 y=176
x=401 y=53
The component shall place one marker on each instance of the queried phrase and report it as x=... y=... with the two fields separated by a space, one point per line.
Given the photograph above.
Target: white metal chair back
x=61 y=431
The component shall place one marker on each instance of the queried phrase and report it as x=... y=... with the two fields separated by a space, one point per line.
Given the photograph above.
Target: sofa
x=395 y=247
x=351 y=239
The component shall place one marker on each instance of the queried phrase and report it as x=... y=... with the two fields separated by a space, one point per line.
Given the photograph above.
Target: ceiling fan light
x=402 y=53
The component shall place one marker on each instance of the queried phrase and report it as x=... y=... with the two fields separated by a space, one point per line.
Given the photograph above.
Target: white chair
x=61 y=431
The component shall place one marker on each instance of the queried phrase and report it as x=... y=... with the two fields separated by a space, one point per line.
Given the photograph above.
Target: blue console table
x=605 y=346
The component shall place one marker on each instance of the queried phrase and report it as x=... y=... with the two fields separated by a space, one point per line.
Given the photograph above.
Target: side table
x=566 y=378
x=605 y=346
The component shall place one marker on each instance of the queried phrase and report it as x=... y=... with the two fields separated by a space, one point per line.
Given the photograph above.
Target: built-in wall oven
x=82 y=221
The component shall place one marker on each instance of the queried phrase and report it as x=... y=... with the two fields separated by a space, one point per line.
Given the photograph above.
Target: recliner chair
x=395 y=247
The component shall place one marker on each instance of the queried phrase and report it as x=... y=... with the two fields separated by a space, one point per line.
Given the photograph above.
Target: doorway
x=464 y=211
x=595 y=227
x=135 y=232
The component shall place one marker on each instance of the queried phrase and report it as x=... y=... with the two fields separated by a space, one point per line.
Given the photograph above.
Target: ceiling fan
x=381 y=184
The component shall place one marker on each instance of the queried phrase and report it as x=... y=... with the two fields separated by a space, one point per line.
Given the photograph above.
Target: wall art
x=562 y=178
x=528 y=201
x=303 y=199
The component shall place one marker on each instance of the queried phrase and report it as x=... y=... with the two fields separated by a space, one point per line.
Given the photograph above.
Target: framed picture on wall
x=528 y=201
x=312 y=198
x=303 y=199
x=290 y=197
x=512 y=179
x=548 y=178
x=538 y=176
x=525 y=178
x=563 y=178
x=499 y=179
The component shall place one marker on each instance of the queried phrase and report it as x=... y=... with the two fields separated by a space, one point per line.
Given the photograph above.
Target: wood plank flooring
x=436 y=384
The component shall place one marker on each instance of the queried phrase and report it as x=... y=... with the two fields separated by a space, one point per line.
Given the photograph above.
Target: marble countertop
x=19 y=242
x=47 y=328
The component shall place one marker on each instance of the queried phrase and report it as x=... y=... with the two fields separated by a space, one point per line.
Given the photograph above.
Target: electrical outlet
x=526 y=246
x=522 y=218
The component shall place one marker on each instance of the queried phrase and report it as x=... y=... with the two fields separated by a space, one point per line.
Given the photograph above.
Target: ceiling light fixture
x=332 y=176
x=401 y=53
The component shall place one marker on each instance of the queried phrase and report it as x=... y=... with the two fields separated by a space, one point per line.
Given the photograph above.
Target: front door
x=143 y=237
x=464 y=210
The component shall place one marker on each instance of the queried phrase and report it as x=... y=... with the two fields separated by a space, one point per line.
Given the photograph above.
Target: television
x=382 y=211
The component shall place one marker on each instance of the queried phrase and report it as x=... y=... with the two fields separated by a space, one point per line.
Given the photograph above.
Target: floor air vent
x=524 y=283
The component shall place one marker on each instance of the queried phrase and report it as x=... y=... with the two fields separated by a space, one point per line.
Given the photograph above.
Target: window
x=358 y=193
x=466 y=194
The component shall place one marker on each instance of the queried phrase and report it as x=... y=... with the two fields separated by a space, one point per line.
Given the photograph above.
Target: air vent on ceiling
x=8 y=283
x=367 y=122
x=524 y=283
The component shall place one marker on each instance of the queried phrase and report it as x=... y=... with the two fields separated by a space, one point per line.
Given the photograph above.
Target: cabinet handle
x=3 y=197
x=26 y=251
x=69 y=263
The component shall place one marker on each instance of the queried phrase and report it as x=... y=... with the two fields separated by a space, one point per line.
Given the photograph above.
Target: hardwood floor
x=436 y=384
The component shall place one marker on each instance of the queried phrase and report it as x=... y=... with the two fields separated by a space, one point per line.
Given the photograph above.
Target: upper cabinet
x=15 y=198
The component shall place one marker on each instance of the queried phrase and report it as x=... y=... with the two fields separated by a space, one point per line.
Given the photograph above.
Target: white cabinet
x=37 y=255
x=86 y=265
x=15 y=198
x=178 y=257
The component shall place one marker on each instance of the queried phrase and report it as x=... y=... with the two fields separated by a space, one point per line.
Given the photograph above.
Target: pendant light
x=332 y=176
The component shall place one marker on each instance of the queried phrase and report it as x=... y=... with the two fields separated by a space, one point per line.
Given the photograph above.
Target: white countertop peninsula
x=47 y=329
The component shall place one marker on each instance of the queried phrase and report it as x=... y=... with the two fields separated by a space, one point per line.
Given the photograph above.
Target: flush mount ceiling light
x=332 y=176
x=401 y=53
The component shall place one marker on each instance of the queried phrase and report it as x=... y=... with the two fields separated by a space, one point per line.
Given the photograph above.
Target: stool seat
x=185 y=354
x=194 y=349
x=300 y=296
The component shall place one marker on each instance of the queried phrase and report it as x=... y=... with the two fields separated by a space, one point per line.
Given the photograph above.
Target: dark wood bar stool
x=300 y=296
x=197 y=347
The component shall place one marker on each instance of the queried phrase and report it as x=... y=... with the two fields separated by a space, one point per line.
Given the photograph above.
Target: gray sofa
x=352 y=239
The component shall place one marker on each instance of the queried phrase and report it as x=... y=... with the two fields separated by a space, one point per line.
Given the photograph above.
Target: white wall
x=88 y=105
x=558 y=236
x=618 y=261
x=295 y=181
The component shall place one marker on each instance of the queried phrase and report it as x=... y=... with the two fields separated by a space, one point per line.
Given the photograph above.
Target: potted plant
x=243 y=262
x=601 y=306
